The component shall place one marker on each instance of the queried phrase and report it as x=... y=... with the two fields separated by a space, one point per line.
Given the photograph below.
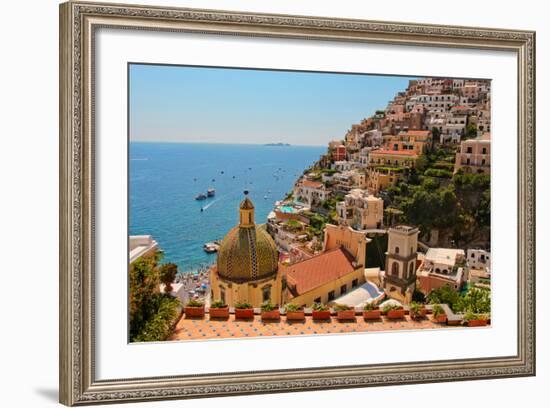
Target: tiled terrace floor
x=195 y=329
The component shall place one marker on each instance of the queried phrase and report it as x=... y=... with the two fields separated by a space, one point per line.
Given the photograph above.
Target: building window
x=395 y=269
x=317 y=300
x=397 y=250
x=411 y=269
x=222 y=295
x=469 y=150
x=354 y=283
x=331 y=296
x=266 y=293
x=484 y=150
x=343 y=289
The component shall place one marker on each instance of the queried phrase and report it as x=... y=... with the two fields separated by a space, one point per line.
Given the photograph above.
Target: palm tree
x=168 y=274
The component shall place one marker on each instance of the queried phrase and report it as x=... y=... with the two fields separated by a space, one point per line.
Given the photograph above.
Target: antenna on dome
x=245 y=192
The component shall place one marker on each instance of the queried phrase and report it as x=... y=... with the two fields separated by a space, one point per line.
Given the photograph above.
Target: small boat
x=265 y=197
x=233 y=176
x=222 y=172
x=211 y=247
x=211 y=192
x=213 y=180
x=200 y=196
x=202 y=209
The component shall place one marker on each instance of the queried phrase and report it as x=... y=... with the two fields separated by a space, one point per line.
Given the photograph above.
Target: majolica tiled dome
x=247 y=253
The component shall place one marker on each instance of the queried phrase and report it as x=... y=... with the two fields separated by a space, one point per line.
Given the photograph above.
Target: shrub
x=370 y=306
x=445 y=294
x=341 y=307
x=438 y=311
x=291 y=307
x=391 y=306
x=319 y=307
x=218 y=304
x=195 y=303
x=158 y=328
x=243 y=305
x=415 y=307
x=267 y=306
x=475 y=316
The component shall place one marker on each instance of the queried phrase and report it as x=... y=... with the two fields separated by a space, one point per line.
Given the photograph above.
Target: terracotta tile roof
x=314 y=272
x=417 y=132
x=312 y=184
x=395 y=152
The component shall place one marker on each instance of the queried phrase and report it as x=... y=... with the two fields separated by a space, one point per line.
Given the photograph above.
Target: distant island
x=280 y=144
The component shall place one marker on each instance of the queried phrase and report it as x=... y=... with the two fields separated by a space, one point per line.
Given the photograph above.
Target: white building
x=478 y=258
x=141 y=246
x=343 y=165
x=310 y=192
x=442 y=260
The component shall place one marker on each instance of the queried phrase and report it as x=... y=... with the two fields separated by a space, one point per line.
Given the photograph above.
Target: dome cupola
x=247 y=253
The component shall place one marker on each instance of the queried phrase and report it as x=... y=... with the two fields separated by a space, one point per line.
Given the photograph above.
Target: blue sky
x=221 y=105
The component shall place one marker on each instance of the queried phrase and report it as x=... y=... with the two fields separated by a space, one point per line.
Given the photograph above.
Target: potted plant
x=476 y=319
x=244 y=310
x=344 y=312
x=270 y=311
x=320 y=311
x=394 y=311
x=194 y=308
x=219 y=310
x=439 y=314
x=417 y=310
x=371 y=311
x=294 y=312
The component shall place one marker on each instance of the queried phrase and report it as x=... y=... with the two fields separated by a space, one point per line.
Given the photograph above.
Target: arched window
x=395 y=269
x=397 y=250
x=411 y=269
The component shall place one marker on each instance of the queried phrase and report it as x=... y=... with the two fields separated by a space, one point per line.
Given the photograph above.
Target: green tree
x=476 y=300
x=444 y=295
x=471 y=130
x=168 y=274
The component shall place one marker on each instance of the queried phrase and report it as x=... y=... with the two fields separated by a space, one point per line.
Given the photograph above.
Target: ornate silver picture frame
x=78 y=24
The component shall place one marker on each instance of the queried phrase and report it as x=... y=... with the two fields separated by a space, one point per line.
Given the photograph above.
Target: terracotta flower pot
x=219 y=312
x=371 y=314
x=396 y=314
x=192 y=311
x=477 y=323
x=244 y=313
x=442 y=318
x=345 y=314
x=274 y=314
x=298 y=315
x=320 y=314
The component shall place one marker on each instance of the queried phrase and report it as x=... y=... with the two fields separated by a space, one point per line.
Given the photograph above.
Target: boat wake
x=209 y=204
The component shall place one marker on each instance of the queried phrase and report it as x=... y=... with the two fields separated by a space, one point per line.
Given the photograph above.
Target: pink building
x=474 y=155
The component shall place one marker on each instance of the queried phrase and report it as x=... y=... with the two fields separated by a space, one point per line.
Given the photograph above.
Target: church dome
x=247 y=253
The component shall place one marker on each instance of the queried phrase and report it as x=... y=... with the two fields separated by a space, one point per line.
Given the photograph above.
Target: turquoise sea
x=166 y=177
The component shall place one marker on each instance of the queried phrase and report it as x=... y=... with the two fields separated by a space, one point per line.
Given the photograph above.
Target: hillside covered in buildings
x=417 y=172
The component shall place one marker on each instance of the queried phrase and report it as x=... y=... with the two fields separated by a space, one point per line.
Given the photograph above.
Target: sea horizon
x=226 y=143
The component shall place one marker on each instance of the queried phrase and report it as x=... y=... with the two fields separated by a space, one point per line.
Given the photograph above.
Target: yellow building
x=400 y=276
x=395 y=158
x=335 y=272
x=247 y=267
